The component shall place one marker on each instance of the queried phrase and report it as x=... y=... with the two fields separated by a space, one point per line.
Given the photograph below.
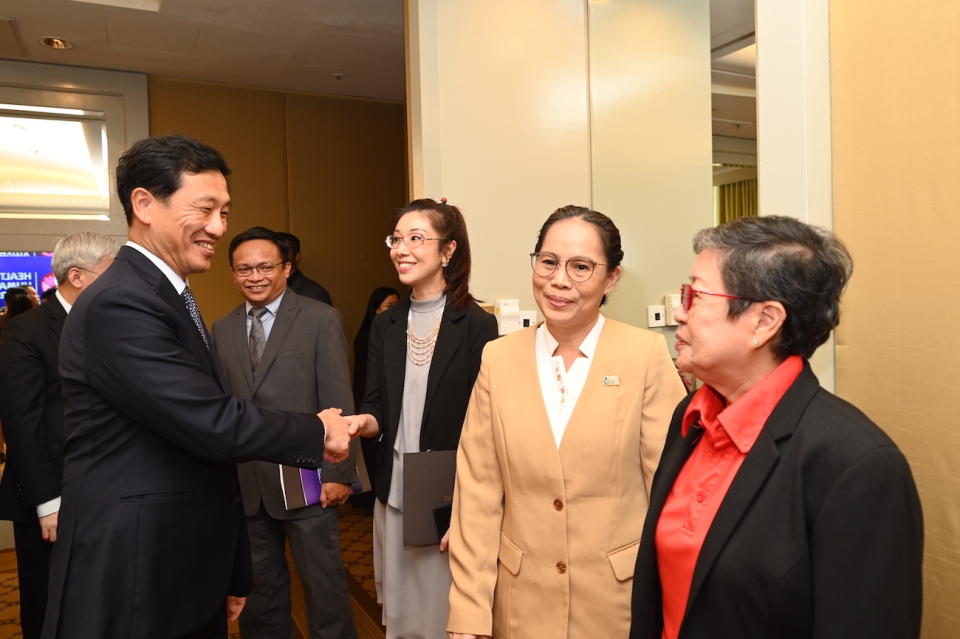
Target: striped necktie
x=191 y=304
x=258 y=338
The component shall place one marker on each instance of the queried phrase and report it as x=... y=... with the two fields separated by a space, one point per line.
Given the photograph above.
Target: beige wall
x=329 y=170
x=896 y=127
x=651 y=141
x=499 y=123
x=517 y=108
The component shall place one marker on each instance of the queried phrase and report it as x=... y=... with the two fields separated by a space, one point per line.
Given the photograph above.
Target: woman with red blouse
x=778 y=510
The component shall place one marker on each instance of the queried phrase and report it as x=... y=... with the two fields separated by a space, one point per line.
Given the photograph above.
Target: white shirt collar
x=588 y=346
x=66 y=306
x=178 y=282
x=272 y=306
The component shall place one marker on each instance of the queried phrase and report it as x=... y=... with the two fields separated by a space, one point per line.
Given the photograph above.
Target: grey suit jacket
x=304 y=368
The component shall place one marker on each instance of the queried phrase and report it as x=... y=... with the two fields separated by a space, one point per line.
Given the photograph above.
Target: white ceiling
x=734 y=63
x=299 y=45
x=294 y=45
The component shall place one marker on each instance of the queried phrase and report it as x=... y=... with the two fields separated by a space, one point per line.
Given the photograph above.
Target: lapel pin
x=611 y=380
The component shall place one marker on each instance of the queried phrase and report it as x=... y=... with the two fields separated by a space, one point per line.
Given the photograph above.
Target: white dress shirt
x=178 y=282
x=560 y=387
x=267 y=318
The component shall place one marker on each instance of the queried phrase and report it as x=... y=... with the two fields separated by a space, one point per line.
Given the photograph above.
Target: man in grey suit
x=283 y=350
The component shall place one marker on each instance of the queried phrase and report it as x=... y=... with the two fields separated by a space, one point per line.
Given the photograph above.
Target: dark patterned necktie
x=258 y=339
x=191 y=303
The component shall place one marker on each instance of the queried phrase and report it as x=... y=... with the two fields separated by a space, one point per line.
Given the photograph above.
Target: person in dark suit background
x=382 y=299
x=151 y=532
x=298 y=282
x=282 y=350
x=16 y=301
x=778 y=510
x=31 y=410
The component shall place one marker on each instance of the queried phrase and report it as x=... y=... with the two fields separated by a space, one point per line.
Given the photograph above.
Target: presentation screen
x=21 y=268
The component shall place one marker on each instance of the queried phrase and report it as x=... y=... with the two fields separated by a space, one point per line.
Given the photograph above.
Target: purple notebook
x=301 y=486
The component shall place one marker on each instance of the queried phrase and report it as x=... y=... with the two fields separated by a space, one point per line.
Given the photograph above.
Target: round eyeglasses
x=412 y=240
x=579 y=269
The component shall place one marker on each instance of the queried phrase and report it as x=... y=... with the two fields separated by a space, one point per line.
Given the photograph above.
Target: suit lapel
x=282 y=324
x=597 y=403
x=753 y=474
x=159 y=282
x=239 y=342
x=448 y=341
x=394 y=359
x=57 y=315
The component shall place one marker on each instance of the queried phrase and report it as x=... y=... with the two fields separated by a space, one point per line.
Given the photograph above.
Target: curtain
x=736 y=200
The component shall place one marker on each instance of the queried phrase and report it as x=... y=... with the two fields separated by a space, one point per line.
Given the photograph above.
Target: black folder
x=427 y=495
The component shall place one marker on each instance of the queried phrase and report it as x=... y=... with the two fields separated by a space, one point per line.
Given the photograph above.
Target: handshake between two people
x=340 y=429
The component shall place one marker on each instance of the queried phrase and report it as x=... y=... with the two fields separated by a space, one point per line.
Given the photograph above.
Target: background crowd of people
x=593 y=496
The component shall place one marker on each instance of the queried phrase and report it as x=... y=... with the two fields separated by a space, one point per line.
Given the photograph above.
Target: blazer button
x=557 y=504
x=561 y=567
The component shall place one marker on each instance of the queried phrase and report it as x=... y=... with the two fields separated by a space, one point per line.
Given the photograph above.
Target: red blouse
x=696 y=495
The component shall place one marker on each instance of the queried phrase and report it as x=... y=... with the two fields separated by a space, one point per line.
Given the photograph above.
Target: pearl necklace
x=420 y=349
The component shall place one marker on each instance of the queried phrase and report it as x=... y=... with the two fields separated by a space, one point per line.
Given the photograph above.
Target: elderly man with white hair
x=31 y=409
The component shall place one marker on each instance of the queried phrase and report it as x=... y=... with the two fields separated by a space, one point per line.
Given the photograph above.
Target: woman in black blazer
x=778 y=510
x=424 y=356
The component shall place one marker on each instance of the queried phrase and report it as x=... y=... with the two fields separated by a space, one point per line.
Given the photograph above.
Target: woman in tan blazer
x=562 y=436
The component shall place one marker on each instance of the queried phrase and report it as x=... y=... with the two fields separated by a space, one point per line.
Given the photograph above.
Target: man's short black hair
x=292 y=242
x=157 y=164
x=258 y=233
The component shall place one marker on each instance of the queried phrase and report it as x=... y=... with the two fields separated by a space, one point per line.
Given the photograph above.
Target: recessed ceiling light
x=53 y=42
x=140 y=5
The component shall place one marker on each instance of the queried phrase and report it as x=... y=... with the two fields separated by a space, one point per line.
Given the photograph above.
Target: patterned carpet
x=356 y=544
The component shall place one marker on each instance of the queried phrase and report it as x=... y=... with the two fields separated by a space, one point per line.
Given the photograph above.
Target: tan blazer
x=544 y=540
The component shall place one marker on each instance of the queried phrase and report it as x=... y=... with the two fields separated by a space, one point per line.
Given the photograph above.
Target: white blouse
x=560 y=387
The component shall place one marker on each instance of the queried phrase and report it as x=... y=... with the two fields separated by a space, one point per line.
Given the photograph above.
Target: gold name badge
x=611 y=380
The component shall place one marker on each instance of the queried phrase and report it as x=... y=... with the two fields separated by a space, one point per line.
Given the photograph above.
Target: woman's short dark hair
x=259 y=233
x=781 y=259
x=447 y=221
x=17 y=304
x=609 y=233
x=157 y=164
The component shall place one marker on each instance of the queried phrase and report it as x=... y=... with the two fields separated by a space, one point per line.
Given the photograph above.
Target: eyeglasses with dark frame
x=579 y=269
x=687 y=294
x=264 y=268
x=412 y=240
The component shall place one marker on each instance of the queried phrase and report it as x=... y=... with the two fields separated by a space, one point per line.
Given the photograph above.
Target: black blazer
x=151 y=533
x=31 y=409
x=303 y=285
x=454 y=368
x=820 y=534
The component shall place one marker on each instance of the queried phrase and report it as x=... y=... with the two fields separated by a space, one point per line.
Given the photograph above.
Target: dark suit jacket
x=820 y=534
x=304 y=367
x=305 y=287
x=456 y=361
x=31 y=409
x=151 y=532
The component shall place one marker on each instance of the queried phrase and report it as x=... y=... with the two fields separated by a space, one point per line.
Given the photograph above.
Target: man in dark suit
x=297 y=281
x=31 y=409
x=151 y=537
x=282 y=350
